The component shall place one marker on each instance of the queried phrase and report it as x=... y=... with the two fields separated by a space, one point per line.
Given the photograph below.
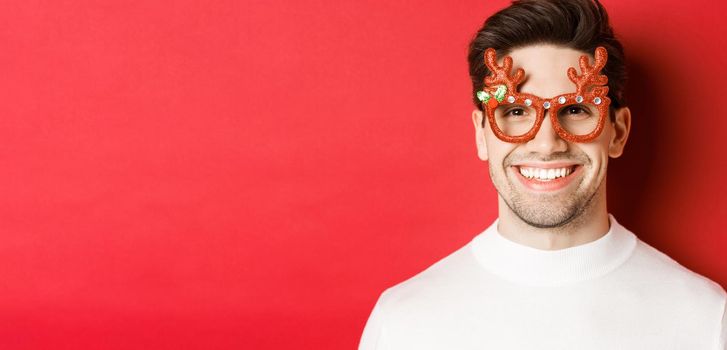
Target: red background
x=195 y=174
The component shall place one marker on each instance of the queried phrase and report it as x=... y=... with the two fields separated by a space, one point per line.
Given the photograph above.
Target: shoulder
x=668 y=285
x=453 y=273
x=659 y=269
x=431 y=292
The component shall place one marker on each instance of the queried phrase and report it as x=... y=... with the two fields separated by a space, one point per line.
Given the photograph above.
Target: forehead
x=546 y=68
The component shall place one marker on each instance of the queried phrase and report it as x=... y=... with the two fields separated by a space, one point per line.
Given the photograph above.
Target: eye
x=516 y=112
x=575 y=110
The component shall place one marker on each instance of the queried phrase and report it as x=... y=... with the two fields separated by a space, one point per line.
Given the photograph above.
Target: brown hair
x=579 y=24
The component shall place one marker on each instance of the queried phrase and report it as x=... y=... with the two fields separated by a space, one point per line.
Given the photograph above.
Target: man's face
x=523 y=173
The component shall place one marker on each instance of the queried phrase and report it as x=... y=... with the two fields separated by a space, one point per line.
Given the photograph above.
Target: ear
x=477 y=120
x=621 y=128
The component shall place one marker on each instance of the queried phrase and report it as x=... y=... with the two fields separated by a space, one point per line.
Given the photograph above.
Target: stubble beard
x=544 y=210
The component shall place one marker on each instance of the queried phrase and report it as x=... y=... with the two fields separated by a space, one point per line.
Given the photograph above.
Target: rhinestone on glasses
x=597 y=100
x=546 y=105
x=561 y=99
x=528 y=102
x=511 y=99
x=579 y=99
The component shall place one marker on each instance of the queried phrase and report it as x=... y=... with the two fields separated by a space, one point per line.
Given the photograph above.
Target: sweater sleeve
x=373 y=334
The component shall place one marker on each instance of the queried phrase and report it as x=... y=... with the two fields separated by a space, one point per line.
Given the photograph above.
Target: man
x=555 y=270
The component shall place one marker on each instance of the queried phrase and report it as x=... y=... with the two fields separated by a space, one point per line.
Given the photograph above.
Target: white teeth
x=544 y=174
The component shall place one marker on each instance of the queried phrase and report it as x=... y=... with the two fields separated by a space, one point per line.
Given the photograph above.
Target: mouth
x=547 y=177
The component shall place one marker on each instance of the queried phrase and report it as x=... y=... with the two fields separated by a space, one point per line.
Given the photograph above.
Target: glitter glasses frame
x=590 y=88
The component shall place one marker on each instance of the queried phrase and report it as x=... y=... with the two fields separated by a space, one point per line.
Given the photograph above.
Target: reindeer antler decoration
x=501 y=74
x=500 y=77
x=591 y=75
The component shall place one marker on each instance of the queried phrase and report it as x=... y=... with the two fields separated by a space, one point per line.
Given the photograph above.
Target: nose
x=547 y=141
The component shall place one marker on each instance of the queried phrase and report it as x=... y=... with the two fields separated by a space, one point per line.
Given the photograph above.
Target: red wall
x=195 y=174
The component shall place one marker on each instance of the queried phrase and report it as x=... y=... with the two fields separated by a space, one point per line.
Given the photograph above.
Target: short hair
x=578 y=24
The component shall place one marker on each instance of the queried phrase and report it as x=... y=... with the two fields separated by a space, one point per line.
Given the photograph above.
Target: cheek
x=498 y=150
x=597 y=153
x=597 y=150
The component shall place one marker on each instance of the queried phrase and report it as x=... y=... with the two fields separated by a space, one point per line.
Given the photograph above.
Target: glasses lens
x=515 y=119
x=579 y=119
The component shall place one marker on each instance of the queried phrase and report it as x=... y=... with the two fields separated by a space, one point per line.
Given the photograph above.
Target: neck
x=591 y=224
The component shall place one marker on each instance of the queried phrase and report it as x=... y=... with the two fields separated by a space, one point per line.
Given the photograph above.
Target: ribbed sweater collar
x=531 y=266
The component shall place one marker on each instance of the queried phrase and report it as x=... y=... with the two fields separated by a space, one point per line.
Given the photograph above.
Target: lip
x=547 y=186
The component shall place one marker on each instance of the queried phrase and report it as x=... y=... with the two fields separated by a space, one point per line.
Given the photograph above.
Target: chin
x=548 y=219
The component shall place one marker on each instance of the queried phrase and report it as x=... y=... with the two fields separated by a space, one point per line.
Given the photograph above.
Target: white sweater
x=613 y=293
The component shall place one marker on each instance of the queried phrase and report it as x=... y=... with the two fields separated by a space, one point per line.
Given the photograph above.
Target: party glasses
x=516 y=117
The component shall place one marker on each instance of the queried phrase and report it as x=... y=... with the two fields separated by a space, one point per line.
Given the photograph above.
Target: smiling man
x=555 y=270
